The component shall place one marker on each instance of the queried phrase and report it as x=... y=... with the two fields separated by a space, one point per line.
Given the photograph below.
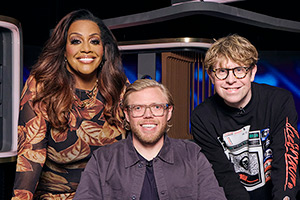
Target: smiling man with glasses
x=248 y=131
x=148 y=165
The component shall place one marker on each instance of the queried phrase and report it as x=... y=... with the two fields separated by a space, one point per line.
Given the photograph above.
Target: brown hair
x=233 y=47
x=57 y=96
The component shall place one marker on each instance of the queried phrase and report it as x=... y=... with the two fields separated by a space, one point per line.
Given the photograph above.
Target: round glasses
x=238 y=72
x=157 y=110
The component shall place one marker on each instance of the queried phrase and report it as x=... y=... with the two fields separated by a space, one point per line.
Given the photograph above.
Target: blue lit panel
x=130 y=62
x=130 y=66
x=281 y=69
x=158 y=68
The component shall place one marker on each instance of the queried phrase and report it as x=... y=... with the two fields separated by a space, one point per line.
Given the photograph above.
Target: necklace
x=91 y=97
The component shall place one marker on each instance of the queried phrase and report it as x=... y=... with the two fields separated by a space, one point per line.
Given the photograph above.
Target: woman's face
x=84 y=50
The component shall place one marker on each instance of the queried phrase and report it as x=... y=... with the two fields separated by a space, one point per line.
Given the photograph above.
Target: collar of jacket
x=131 y=158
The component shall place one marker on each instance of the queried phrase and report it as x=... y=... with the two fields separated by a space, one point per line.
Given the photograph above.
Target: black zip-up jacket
x=254 y=150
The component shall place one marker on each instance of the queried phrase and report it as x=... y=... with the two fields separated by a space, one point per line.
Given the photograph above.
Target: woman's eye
x=95 y=41
x=75 y=41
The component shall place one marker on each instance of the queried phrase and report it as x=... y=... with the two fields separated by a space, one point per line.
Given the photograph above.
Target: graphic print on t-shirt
x=250 y=154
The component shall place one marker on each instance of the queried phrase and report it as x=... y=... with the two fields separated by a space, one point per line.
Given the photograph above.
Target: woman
x=69 y=107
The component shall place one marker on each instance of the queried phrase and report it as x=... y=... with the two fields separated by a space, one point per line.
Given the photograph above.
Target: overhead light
x=175 y=2
x=222 y=1
x=186 y=39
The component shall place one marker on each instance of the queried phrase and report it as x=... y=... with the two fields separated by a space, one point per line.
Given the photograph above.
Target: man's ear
x=211 y=76
x=170 y=111
x=253 y=73
x=126 y=115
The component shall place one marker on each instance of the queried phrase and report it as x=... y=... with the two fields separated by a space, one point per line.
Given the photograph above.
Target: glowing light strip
x=15 y=85
x=164 y=45
x=215 y=1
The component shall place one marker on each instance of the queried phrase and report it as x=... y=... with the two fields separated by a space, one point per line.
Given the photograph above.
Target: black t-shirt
x=149 y=190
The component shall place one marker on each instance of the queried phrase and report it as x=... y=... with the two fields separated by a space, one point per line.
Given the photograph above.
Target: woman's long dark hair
x=55 y=84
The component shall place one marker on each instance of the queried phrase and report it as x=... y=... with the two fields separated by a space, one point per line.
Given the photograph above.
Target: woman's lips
x=86 y=60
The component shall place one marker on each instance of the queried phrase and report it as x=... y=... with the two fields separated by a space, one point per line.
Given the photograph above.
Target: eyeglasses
x=157 y=110
x=238 y=72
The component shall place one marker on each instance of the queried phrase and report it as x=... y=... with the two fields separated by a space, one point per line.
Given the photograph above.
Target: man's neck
x=148 y=151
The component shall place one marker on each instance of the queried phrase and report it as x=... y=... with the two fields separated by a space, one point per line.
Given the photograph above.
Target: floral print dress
x=49 y=162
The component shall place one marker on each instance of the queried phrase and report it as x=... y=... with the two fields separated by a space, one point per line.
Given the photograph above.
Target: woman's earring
x=102 y=61
x=66 y=62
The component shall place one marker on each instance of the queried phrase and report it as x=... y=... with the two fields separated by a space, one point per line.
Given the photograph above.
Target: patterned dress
x=49 y=162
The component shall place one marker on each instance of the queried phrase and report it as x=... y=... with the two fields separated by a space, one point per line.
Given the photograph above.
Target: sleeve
x=214 y=152
x=31 y=145
x=208 y=187
x=90 y=184
x=285 y=148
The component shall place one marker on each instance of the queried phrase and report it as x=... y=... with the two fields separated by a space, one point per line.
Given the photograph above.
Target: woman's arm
x=31 y=144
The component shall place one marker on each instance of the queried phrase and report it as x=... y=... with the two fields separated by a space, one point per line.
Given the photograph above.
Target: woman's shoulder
x=30 y=80
x=29 y=86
